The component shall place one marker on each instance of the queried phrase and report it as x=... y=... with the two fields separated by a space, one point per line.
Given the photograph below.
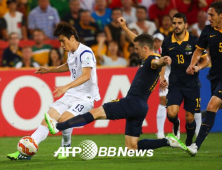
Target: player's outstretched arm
x=195 y=59
x=129 y=33
x=59 y=69
x=101 y=41
x=86 y=75
x=156 y=63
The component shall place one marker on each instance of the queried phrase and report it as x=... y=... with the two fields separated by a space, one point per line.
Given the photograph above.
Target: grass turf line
x=209 y=157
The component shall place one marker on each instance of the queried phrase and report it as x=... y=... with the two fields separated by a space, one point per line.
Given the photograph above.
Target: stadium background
x=24 y=97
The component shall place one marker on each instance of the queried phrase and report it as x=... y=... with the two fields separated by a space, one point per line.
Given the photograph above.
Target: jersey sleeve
x=204 y=53
x=87 y=59
x=202 y=42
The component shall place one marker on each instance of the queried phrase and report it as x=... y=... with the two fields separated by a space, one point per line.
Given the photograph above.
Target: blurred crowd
x=96 y=24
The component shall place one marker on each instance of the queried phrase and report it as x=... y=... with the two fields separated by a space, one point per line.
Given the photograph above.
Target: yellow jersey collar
x=186 y=38
x=218 y=29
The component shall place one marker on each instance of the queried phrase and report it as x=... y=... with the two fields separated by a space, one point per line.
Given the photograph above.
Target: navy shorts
x=191 y=98
x=132 y=108
x=216 y=88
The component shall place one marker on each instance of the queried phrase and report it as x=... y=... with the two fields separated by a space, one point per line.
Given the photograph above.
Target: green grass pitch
x=209 y=157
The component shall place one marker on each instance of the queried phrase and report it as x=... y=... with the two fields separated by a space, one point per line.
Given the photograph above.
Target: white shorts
x=74 y=105
x=163 y=92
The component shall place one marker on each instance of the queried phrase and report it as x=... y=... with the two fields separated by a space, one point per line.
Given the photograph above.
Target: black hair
x=117 y=9
x=65 y=29
x=180 y=15
x=145 y=39
x=217 y=6
x=84 y=11
x=141 y=7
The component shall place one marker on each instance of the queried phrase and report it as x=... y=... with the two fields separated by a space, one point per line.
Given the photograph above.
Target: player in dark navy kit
x=182 y=87
x=134 y=106
x=211 y=37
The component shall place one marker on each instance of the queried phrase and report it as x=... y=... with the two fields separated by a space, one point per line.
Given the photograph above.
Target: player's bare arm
x=195 y=59
x=59 y=69
x=101 y=41
x=156 y=63
x=129 y=33
x=203 y=63
x=86 y=75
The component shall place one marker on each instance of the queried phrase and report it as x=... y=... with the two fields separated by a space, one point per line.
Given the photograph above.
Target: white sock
x=66 y=136
x=198 y=119
x=161 y=117
x=40 y=134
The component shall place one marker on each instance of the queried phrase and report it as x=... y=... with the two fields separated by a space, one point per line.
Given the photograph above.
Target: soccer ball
x=27 y=146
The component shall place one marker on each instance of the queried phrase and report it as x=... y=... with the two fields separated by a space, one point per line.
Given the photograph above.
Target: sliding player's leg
x=77 y=121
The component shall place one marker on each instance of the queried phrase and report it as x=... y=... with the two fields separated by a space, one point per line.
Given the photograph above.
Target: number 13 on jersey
x=180 y=59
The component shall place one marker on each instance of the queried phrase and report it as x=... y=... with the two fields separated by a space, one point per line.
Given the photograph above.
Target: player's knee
x=189 y=118
x=131 y=146
x=211 y=107
x=171 y=114
x=98 y=113
x=61 y=119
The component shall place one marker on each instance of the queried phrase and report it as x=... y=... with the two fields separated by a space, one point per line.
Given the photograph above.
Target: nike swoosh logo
x=212 y=36
x=171 y=48
x=205 y=124
x=197 y=109
x=220 y=91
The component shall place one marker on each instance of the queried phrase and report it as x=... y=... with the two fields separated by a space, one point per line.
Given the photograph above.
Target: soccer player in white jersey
x=161 y=111
x=79 y=94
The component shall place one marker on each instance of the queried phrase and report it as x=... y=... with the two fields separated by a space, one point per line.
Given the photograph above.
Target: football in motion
x=27 y=146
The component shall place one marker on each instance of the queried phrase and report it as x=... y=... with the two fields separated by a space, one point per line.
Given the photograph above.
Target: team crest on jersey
x=188 y=47
x=88 y=58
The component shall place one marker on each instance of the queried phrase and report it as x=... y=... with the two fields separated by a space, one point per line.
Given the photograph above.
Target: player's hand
x=191 y=70
x=42 y=70
x=163 y=84
x=60 y=91
x=122 y=22
x=167 y=60
x=196 y=69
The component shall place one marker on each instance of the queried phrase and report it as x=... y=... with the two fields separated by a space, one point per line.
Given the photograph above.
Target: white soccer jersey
x=83 y=57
